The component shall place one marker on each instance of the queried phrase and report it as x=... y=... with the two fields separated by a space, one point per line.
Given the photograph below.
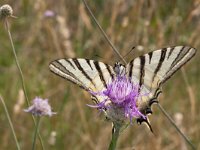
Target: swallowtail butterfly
x=149 y=71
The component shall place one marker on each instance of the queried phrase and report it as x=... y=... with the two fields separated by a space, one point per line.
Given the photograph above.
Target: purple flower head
x=40 y=107
x=121 y=90
x=49 y=13
x=121 y=96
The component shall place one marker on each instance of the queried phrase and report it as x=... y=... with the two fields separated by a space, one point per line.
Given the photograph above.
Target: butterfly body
x=119 y=69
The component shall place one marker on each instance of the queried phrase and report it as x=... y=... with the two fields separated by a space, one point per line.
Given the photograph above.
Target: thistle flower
x=40 y=107
x=120 y=99
x=6 y=11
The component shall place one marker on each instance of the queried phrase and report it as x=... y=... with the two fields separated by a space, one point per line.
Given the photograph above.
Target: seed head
x=6 y=11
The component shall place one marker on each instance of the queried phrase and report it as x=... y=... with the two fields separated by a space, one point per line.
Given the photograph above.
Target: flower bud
x=6 y=11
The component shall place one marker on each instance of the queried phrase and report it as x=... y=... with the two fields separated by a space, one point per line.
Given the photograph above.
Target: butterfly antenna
x=129 y=52
x=98 y=56
x=104 y=34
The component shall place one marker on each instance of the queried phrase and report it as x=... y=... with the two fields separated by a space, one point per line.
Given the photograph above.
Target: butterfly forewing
x=179 y=56
x=153 y=69
x=89 y=74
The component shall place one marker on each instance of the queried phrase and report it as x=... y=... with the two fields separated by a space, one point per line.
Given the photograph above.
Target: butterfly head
x=119 y=69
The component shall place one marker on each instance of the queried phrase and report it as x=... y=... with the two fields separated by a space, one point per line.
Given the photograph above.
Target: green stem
x=36 y=132
x=10 y=123
x=17 y=62
x=21 y=75
x=115 y=135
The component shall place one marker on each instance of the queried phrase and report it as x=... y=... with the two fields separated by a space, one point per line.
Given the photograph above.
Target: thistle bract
x=121 y=96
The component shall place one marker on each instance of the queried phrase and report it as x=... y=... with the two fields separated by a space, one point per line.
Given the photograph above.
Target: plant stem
x=36 y=132
x=173 y=123
x=102 y=31
x=115 y=135
x=21 y=75
x=10 y=123
x=17 y=62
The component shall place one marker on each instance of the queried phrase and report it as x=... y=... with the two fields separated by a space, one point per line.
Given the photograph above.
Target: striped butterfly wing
x=153 y=69
x=88 y=74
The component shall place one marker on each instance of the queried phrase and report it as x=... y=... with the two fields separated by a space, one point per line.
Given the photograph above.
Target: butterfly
x=149 y=71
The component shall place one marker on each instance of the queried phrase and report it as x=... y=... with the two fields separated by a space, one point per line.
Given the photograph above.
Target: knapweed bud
x=6 y=11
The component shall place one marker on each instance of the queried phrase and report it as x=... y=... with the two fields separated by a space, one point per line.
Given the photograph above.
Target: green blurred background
x=146 y=24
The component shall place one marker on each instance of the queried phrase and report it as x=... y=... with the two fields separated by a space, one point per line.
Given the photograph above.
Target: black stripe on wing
x=170 y=52
x=184 y=51
x=142 y=71
x=69 y=62
x=109 y=71
x=96 y=63
x=95 y=99
x=150 y=56
x=131 y=69
x=89 y=64
x=57 y=65
x=178 y=57
x=78 y=65
x=179 y=61
x=162 y=58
